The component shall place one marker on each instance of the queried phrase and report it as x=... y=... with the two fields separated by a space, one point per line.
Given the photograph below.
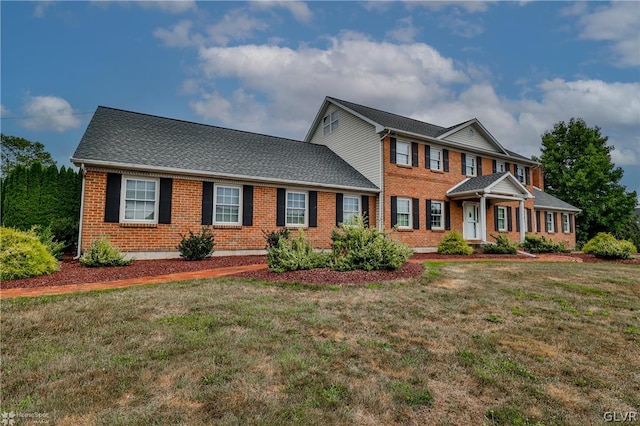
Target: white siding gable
x=471 y=137
x=355 y=140
x=506 y=187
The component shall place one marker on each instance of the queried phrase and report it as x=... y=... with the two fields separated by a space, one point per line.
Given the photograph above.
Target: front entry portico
x=474 y=194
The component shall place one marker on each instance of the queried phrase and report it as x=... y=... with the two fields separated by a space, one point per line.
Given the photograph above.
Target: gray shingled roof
x=547 y=200
x=127 y=138
x=477 y=183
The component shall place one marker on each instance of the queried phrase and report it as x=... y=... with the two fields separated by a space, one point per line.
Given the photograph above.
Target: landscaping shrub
x=22 y=255
x=454 y=243
x=65 y=230
x=47 y=238
x=102 y=253
x=273 y=237
x=535 y=244
x=501 y=246
x=196 y=246
x=606 y=246
x=355 y=246
x=292 y=254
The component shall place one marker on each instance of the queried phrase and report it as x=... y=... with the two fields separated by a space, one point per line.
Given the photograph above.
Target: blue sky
x=519 y=67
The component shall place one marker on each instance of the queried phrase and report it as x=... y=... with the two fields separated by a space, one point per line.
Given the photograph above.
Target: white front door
x=471 y=221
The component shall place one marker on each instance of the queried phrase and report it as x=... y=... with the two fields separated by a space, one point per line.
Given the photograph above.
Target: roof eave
x=572 y=209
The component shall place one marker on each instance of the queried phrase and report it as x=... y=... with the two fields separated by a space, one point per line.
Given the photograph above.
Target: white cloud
x=40 y=10
x=50 y=113
x=405 y=31
x=298 y=9
x=467 y=6
x=178 y=36
x=4 y=111
x=617 y=24
x=169 y=6
x=235 y=25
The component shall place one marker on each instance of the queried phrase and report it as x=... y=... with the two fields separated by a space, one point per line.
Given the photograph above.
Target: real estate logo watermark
x=13 y=418
x=621 y=416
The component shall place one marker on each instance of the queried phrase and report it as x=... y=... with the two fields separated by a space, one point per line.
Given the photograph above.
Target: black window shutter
x=414 y=154
x=445 y=159
x=313 y=209
x=496 y=226
x=463 y=168
x=112 y=202
x=570 y=223
x=427 y=157
x=527 y=175
x=428 y=214
x=447 y=215
x=478 y=166
x=164 y=207
x=507 y=167
x=529 y=221
x=280 y=206
x=555 y=221
x=509 y=219
x=538 y=221
x=494 y=165
x=365 y=209
x=416 y=213
x=339 y=208
x=515 y=171
x=394 y=211
x=247 y=205
x=393 y=150
x=518 y=219
x=207 y=203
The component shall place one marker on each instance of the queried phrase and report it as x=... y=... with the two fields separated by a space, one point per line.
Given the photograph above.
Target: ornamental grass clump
x=454 y=243
x=103 y=253
x=196 y=246
x=356 y=246
x=606 y=246
x=23 y=255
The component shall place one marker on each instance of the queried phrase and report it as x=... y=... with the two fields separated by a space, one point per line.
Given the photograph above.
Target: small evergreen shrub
x=22 y=255
x=102 y=253
x=47 y=238
x=454 y=243
x=196 y=246
x=293 y=254
x=273 y=237
x=65 y=230
x=355 y=246
x=606 y=246
x=502 y=246
x=535 y=244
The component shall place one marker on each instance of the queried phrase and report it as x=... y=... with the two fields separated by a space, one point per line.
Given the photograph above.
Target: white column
x=483 y=219
x=523 y=221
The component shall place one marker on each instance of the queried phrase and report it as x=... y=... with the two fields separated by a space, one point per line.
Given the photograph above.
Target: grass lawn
x=470 y=343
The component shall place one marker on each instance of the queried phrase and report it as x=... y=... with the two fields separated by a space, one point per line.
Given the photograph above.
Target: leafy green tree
x=578 y=169
x=19 y=151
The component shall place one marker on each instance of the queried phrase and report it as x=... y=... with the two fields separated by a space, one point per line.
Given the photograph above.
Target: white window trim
x=520 y=176
x=327 y=123
x=506 y=221
x=239 y=188
x=474 y=167
x=358 y=212
x=408 y=144
x=440 y=161
x=547 y=222
x=441 y=227
x=500 y=166
x=123 y=199
x=306 y=209
x=567 y=229
x=410 y=221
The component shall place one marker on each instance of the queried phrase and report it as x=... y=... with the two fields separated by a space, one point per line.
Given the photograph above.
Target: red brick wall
x=186 y=214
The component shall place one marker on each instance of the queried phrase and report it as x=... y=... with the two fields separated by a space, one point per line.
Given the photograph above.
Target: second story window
x=520 y=174
x=500 y=167
x=470 y=165
x=435 y=155
x=403 y=153
x=330 y=123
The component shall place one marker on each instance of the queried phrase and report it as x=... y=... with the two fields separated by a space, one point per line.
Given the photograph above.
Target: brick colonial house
x=147 y=179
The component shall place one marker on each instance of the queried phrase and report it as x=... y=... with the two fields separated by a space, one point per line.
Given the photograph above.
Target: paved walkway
x=178 y=276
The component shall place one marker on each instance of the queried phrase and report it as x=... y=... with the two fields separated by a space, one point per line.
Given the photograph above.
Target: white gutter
x=83 y=170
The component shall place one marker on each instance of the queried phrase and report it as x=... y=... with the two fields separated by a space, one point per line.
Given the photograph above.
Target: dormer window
x=330 y=123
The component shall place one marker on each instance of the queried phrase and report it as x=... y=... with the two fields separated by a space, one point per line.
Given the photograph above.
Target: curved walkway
x=179 y=276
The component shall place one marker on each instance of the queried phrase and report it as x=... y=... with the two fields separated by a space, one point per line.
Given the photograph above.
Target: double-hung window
x=470 y=165
x=500 y=166
x=296 y=211
x=521 y=174
x=502 y=218
x=566 y=226
x=350 y=208
x=140 y=198
x=435 y=158
x=436 y=215
x=330 y=123
x=548 y=221
x=403 y=215
x=227 y=205
x=403 y=153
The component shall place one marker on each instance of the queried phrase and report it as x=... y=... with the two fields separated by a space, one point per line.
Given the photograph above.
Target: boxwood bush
x=606 y=246
x=535 y=244
x=23 y=255
x=102 y=253
x=502 y=246
x=454 y=243
x=196 y=246
x=288 y=253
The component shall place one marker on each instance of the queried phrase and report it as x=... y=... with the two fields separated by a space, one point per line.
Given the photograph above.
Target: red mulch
x=71 y=272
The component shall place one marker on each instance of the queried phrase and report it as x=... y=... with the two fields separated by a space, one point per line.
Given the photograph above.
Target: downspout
x=380 y=212
x=83 y=170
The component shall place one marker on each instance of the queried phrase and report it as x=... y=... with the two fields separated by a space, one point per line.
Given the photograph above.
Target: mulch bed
x=71 y=272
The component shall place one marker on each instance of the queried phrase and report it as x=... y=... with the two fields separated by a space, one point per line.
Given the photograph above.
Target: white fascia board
x=538 y=207
x=482 y=128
